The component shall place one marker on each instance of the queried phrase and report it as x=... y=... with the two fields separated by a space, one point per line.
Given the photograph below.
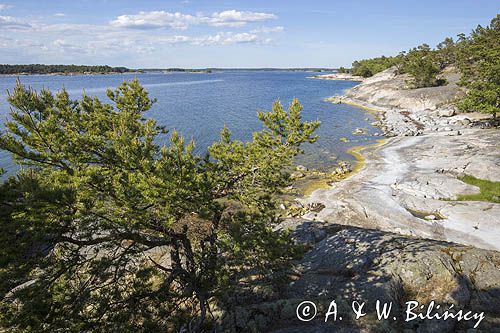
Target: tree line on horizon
x=8 y=69
x=476 y=57
x=51 y=69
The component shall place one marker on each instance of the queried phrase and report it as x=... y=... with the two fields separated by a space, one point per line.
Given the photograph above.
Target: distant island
x=41 y=69
x=215 y=69
x=59 y=69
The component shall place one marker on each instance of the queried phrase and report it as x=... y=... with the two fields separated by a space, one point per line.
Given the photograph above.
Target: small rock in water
x=301 y=168
x=334 y=100
x=342 y=169
x=359 y=131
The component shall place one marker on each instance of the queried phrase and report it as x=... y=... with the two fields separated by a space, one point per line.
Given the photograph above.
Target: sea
x=198 y=105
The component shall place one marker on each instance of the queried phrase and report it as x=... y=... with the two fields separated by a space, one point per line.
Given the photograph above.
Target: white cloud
x=225 y=38
x=59 y=14
x=234 y=18
x=8 y=43
x=79 y=40
x=267 y=30
x=36 y=40
x=64 y=45
x=154 y=19
x=163 y=19
x=4 y=6
x=12 y=22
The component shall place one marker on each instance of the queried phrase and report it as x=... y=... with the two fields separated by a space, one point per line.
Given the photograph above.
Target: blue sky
x=195 y=33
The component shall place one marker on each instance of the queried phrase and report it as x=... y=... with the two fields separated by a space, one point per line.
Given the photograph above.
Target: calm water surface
x=198 y=105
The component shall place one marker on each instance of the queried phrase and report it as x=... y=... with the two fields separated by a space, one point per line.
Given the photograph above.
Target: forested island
x=59 y=69
x=6 y=69
x=41 y=69
x=217 y=69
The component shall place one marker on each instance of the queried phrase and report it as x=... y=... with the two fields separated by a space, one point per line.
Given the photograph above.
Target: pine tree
x=420 y=63
x=479 y=63
x=102 y=200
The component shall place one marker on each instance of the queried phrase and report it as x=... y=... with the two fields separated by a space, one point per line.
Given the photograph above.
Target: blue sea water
x=198 y=106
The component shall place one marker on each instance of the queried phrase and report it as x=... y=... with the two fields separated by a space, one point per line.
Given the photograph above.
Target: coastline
x=357 y=152
x=338 y=76
x=69 y=74
x=323 y=180
x=409 y=185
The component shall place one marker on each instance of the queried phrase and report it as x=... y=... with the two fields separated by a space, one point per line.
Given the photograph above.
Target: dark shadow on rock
x=349 y=264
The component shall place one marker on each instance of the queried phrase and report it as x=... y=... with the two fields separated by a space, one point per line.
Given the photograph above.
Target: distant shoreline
x=338 y=76
x=58 y=69
x=73 y=70
x=68 y=74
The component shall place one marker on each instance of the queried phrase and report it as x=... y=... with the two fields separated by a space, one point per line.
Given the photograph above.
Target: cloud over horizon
x=163 y=19
x=236 y=33
x=142 y=33
x=12 y=22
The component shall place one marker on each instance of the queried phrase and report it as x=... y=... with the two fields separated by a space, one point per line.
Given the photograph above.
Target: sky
x=209 y=33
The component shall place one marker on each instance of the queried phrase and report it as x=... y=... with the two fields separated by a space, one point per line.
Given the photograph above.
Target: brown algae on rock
x=321 y=180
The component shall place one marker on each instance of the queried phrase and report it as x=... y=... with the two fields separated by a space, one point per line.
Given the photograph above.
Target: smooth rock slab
x=420 y=174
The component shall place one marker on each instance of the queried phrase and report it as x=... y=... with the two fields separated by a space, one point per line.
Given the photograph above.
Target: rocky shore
x=394 y=231
x=409 y=185
x=338 y=76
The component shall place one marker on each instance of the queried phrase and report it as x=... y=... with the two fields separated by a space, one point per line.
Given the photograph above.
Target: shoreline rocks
x=394 y=231
x=338 y=76
x=399 y=177
x=349 y=264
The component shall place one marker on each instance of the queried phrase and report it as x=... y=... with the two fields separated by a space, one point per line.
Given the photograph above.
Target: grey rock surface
x=394 y=231
x=412 y=177
x=354 y=264
x=414 y=174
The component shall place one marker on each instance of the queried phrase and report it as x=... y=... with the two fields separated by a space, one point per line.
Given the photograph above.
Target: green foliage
x=447 y=53
x=421 y=64
x=477 y=56
x=48 y=69
x=122 y=234
x=479 y=62
x=370 y=67
x=490 y=191
x=343 y=70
